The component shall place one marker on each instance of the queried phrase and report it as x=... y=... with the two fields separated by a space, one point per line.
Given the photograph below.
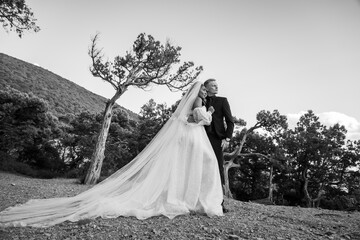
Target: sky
x=288 y=55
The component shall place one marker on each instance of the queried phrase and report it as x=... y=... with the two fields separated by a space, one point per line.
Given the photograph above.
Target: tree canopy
x=149 y=63
x=16 y=15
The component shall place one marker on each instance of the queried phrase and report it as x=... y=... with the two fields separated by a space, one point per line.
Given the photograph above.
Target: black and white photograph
x=204 y=119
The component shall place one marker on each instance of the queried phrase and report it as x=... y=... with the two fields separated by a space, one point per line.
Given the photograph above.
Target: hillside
x=245 y=220
x=62 y=95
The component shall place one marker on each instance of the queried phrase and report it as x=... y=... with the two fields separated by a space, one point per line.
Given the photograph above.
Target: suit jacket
x=222 y=112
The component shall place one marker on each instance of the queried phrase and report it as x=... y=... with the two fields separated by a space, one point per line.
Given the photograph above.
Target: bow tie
x=210 y=97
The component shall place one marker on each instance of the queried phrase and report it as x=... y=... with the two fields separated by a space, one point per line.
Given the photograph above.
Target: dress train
x=175 y=174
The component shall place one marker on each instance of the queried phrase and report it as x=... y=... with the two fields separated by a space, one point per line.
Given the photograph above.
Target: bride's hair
x=185 y=106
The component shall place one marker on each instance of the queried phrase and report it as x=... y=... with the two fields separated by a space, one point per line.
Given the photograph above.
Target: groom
x=218 y=133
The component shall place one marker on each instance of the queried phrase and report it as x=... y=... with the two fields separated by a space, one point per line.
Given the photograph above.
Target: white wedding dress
x=175 y=174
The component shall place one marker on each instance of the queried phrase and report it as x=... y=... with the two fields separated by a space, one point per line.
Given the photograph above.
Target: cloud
x=293 y=118
x=351 y=124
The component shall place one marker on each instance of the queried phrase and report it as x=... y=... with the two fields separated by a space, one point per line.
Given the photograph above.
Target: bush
x=44 y=173
x=78 y=173
x=340 y=203
x=42 y=157
x=9 y=164
x=27 y=130
x=5 y=161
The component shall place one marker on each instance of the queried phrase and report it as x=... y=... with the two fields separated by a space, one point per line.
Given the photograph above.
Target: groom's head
x=211 y=87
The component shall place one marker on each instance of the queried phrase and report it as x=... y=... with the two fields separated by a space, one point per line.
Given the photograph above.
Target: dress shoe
x=225 y=210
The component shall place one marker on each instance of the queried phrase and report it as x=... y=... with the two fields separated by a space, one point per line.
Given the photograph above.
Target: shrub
x=340 y=203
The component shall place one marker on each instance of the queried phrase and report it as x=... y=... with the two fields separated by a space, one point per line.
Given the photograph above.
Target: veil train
x=176 y=173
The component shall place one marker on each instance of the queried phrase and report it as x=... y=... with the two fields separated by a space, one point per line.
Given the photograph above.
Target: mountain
x=62 y=95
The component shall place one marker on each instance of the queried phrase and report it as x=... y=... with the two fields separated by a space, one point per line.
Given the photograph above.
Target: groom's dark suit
x=217 y=131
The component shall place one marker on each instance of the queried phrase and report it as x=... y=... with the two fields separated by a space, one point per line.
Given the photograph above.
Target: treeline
x=36 y=143
x=311 y=165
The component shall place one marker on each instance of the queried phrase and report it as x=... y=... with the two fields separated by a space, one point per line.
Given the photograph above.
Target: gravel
x=246 y=220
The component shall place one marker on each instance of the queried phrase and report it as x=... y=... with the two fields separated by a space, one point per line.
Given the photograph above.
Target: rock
x=83 y=222
x=346 y=236
x=234 y=237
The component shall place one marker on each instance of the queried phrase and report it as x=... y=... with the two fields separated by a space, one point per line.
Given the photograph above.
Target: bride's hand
x=211 y=109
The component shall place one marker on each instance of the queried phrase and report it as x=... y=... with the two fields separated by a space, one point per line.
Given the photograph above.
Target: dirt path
x=244 y=221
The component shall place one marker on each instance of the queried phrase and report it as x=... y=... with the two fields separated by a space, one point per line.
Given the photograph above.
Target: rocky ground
x=245 y=220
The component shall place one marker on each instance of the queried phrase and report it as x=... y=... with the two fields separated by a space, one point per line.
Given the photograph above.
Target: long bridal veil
x=176 y=173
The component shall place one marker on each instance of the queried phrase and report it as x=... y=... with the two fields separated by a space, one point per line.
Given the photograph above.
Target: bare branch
x=98 y=68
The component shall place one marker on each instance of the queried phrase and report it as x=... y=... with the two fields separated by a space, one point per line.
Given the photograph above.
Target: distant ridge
x=62 y=95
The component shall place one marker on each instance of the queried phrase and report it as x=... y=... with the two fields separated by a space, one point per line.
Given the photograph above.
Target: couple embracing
x=179 y=171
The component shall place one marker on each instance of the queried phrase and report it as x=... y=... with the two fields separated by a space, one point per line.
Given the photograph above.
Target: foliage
x=274 y=124
x=152 y=117
x=27 y=131
x=16 y=15
x=149 y=62
x=251 y=180
x=79 y=141
x=315 y=150
x=121 y=144
x=314 y=163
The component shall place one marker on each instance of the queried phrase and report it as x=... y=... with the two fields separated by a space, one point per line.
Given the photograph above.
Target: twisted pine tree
x=149 y=63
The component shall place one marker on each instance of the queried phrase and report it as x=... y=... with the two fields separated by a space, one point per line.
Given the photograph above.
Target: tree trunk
x=312 y=202
x=305 y=188
x=271 y=186
x=229 y=163
x=227 y=167
x=97 y=157
x=227 y=191
x=320 y=195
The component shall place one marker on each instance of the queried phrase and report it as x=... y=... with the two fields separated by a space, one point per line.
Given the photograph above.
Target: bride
x=176 y=173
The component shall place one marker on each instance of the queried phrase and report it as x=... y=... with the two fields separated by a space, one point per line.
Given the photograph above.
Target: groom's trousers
x=216 y=145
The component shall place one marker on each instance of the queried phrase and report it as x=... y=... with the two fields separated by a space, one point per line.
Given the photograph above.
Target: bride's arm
x=197 y=103
x=201 y=116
